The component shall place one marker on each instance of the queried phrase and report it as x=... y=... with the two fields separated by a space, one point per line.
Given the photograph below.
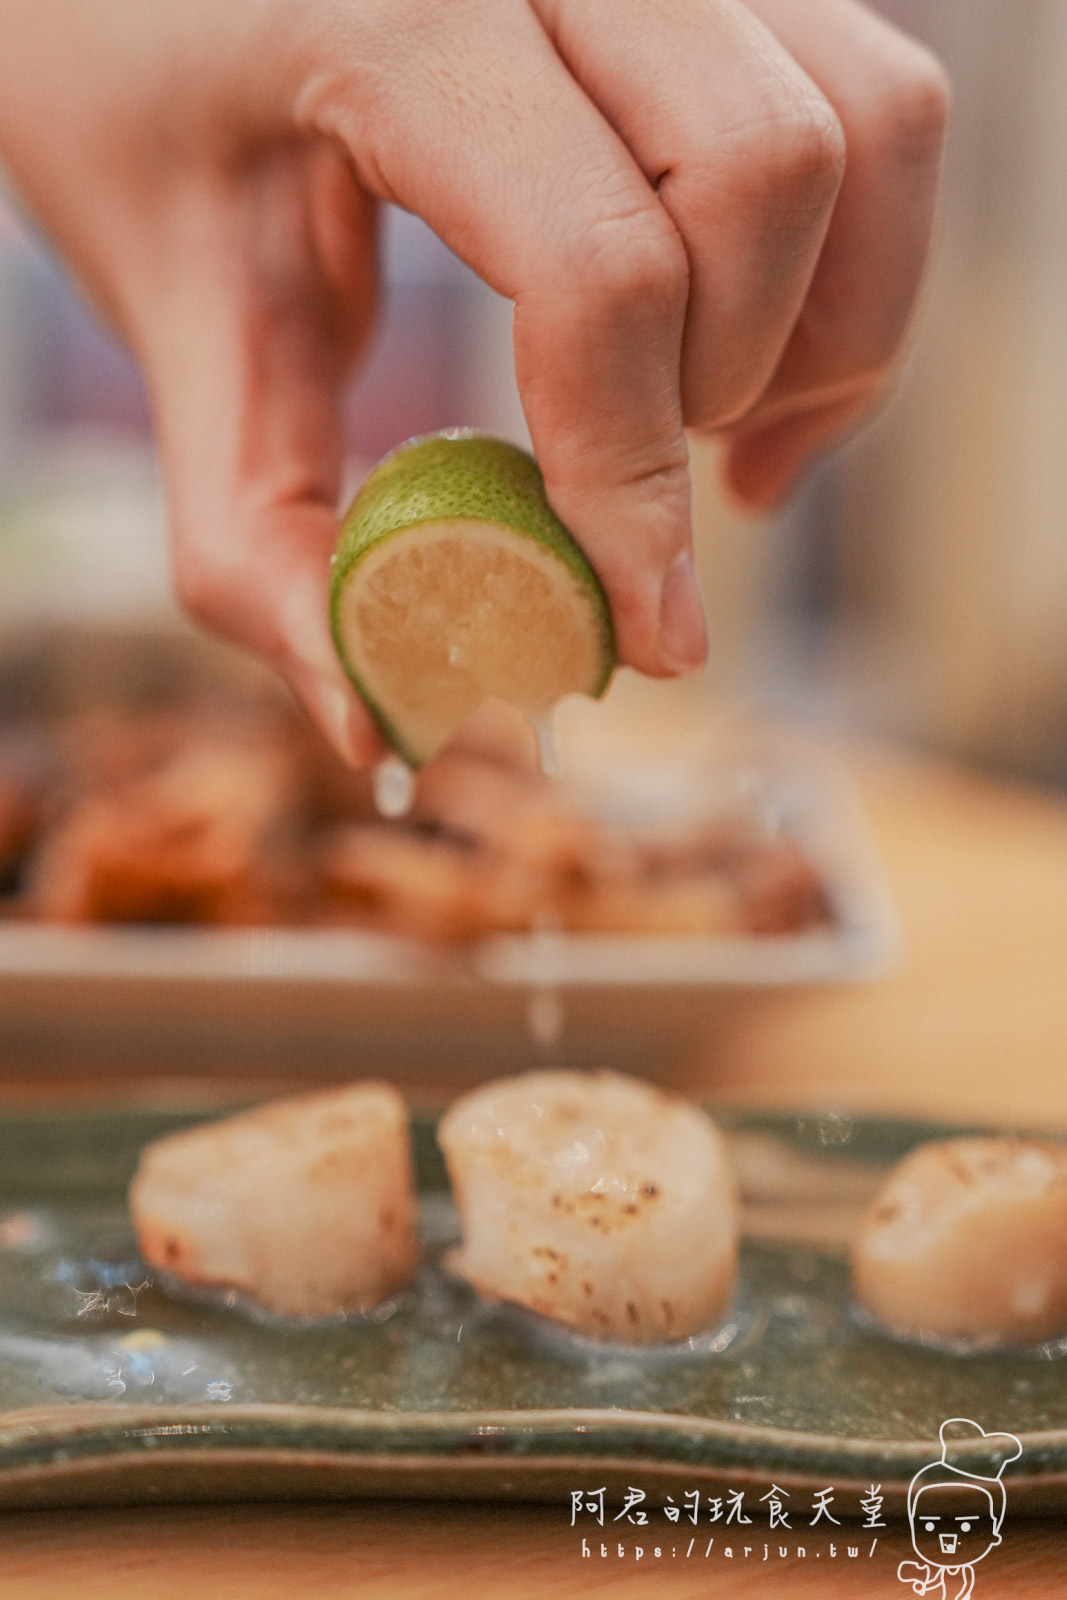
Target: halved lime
x=455 y=580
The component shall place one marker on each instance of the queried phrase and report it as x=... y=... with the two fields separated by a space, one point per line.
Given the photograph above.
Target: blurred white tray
x=174 y=998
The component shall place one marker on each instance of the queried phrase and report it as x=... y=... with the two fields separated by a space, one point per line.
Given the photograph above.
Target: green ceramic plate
x=110 y=1390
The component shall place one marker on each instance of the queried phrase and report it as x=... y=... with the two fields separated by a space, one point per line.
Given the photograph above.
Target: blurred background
x=917 y=588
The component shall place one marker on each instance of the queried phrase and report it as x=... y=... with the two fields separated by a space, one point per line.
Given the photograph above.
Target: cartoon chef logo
x=956 y=1512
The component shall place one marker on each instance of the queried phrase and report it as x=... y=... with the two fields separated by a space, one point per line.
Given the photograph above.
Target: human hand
x=707 y=213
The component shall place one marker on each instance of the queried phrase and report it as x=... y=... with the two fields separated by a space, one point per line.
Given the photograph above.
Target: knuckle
x=650 y=474
x=792 y=156
x=718 y=405
x=906 y=111
x=635 y=256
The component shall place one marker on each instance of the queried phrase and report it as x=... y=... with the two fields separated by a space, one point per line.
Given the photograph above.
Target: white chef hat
x=1002 y=1448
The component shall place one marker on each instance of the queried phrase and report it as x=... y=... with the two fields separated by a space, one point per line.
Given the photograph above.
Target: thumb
x=246 y=350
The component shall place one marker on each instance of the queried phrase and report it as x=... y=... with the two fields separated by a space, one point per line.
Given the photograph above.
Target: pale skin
x=709 y=215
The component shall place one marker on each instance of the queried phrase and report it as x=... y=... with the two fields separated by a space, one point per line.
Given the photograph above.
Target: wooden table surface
x=400 y=1551
x=972 y=1026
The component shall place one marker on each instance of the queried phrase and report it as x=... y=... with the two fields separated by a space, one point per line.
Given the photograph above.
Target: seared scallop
x=306 y=1206
x=967 y=1241
x=594 y=1199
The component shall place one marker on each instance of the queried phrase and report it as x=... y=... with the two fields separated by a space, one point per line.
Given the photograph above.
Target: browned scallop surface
x=306 y=1206
x=596 y=1200
x=967 y=1241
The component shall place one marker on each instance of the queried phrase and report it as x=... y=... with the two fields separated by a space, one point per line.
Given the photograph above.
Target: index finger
x=542 y=198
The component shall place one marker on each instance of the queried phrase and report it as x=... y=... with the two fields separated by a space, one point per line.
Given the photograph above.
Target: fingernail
x=336 y=712
x=683 y=634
